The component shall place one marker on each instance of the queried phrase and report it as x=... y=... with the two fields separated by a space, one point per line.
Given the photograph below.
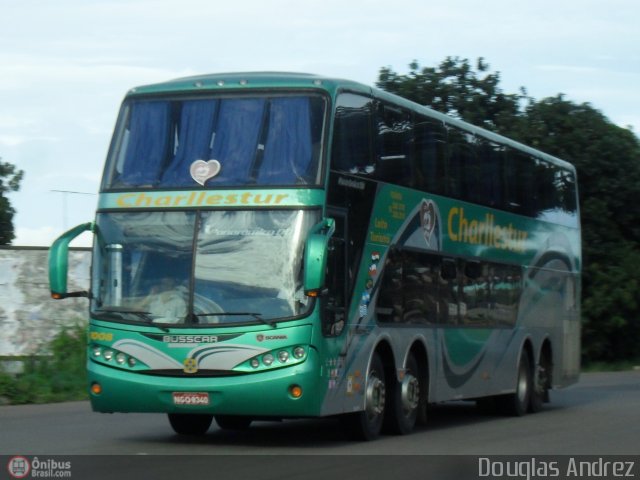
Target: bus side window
x=394 y=135
x=352 y=150
x=475 y=295
x=448 y=289
x=389 y=307
x=430 y=143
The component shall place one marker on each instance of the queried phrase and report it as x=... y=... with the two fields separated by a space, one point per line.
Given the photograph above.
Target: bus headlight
x=286 y=357
x=268 y=359
x=103 y=354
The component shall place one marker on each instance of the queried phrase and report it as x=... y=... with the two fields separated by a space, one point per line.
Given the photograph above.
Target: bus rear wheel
x=541 y=384
x=367 y=424
x=408 y=400
x=517 y=403
x=190 y=423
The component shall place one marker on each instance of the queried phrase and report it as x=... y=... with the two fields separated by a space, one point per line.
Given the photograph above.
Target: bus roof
x=238 y=81
x=248 y=80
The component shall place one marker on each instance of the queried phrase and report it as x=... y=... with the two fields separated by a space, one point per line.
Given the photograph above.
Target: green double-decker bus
x=272 y=246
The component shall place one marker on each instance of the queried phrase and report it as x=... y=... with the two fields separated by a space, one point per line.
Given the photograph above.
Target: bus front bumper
x=267 y=394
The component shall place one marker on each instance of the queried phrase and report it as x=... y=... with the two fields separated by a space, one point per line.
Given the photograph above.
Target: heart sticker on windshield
x=202 y=171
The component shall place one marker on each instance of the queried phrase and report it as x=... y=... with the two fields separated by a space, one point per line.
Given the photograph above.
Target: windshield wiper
x=146 y=316
x=257 y=316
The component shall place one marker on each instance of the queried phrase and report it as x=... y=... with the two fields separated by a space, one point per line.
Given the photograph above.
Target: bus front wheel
x=190 y=423
x=367 y=424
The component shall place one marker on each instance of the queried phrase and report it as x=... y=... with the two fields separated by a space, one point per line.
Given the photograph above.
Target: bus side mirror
x=59 y=263
x=315 y=257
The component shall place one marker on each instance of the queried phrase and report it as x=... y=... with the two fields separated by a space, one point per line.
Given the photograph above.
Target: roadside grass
x=613 y=366
x=56 y=374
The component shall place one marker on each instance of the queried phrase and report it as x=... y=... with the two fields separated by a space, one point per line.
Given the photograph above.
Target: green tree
x=455 y=88
x=10 y=179
x=607 y=158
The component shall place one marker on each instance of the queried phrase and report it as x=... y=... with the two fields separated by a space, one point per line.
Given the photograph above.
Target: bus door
x=335 y=298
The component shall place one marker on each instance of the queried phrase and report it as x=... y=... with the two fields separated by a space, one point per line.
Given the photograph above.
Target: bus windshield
x=186 y=268
x=217 y=141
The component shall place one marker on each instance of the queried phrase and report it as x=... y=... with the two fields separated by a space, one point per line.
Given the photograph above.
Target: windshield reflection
x=246 y=267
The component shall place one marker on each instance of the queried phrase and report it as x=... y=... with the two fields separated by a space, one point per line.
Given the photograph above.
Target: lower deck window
x=423 y=288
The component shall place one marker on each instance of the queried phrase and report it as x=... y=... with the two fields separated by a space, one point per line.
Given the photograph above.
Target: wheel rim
x=410 y=394
x=523 y=384
x=376 y=397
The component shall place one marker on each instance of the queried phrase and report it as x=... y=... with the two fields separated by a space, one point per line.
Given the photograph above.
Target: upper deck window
x=223 y=141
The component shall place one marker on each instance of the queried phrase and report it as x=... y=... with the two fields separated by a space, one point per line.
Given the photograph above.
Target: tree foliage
x=607 y=158
x=456 y=89
x=10 y=179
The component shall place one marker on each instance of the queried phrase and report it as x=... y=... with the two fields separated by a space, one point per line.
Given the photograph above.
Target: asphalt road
x=598 y=416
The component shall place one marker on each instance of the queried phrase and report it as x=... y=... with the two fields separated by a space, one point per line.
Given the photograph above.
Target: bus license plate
x=190 y=398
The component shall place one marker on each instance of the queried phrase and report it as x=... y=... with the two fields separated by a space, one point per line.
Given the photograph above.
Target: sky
x=65 y=67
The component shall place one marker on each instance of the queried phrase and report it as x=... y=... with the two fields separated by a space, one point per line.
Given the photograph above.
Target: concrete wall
x=29 y=318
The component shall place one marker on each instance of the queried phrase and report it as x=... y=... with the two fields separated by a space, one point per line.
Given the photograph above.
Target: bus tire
x=233 y=422
x=541 y=384
x=190 y=423
x=367 y=424
x=408 y=398
x=517 y=403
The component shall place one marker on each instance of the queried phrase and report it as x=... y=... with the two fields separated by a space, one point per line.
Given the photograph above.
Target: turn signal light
x=96 y=388
x=295 y=391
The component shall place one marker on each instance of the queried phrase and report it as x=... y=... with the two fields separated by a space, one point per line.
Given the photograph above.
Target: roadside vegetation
x=56 y=374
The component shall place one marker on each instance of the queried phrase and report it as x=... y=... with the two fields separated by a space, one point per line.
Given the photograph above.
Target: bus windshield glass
x=189 y=268
x=217 y=142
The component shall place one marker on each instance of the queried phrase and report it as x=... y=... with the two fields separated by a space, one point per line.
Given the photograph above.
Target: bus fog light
x=108 y=354
x=268 y=359
x=254 y=363
x=283 y=356
x=298 y=352
x=295 y=391
x=121 y=358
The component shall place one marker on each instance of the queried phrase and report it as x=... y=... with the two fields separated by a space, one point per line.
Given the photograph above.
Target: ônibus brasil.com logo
x=20 y=467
